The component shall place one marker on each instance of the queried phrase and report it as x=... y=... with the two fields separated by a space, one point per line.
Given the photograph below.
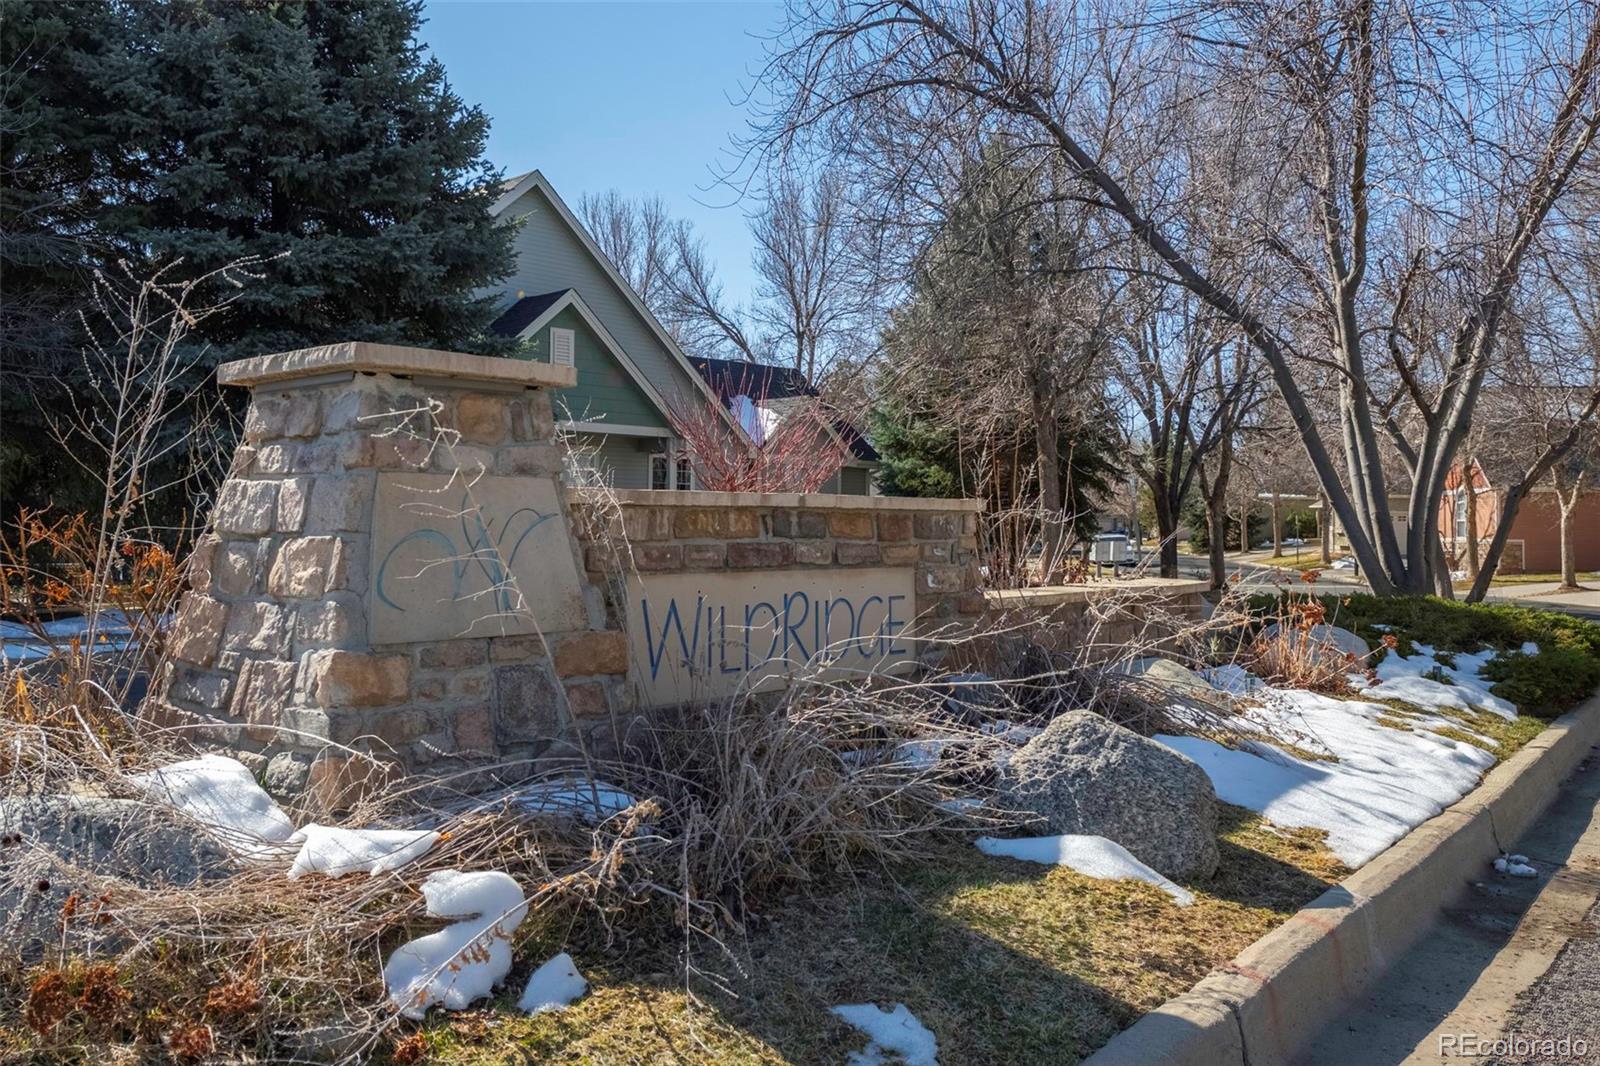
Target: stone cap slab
x=1054 y=595
x=401 y=361
x=812 y=500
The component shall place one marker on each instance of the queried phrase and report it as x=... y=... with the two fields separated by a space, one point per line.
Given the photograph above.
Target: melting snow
x=1232 y=679
x=592 y=801
x=327 y=849
x=553 y=986
x=1091 y=856
x=897 y=1031
x=1407 y=678
x=1385 y=782
x=462 y=962
x=1515 y=865
x=222 y=795
x=1010 y=732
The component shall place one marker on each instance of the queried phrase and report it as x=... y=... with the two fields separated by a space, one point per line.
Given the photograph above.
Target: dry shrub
x=239 y=998
x=1288 y=654
x=102 y=997
x=765 y=795
x=190 y=1041
x=410 y=1050
x=741 y=799
x=49 y=1001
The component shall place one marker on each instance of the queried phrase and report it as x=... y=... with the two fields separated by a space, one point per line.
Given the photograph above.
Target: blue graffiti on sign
x=493 y=551
x=826 y=629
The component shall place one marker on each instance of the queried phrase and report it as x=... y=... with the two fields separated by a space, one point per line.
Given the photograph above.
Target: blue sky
x=641 y=97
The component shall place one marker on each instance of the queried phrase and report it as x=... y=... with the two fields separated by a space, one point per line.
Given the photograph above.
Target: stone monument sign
x=706 y=635
x=463 y=556
x=390 y=577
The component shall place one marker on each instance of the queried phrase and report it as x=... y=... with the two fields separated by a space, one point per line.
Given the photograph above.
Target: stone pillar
x=389 y=578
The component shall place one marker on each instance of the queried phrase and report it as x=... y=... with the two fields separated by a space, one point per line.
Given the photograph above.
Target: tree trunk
x=1567 y=500
x=1215 y=494
x=1047 y=432
x=1216 y=552
x=1324 y=529
x=1277 y=525
x=1469 y=485
x=1166 y=530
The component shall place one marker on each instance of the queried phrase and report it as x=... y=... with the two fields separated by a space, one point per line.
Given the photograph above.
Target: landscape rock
x=1172 y=676
x=50 y=842
x=286 y=775
x=1086 y=775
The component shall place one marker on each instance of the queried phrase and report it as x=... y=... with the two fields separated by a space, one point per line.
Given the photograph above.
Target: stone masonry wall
x=730 y=531
x=270 y=655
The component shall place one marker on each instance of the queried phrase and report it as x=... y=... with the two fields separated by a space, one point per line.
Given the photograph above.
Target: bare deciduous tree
x=638 y=236
x=1395 y=149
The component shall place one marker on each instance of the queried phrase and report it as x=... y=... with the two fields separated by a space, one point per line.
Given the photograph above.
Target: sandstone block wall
x=669 y=532
x=270 y=655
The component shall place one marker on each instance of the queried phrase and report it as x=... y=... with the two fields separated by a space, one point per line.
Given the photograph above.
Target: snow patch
x=1416 y=679
x=1091 y=856
x=894 y=1031
x=1385 y=781
x=221 y=794
x=1233 y=679
x=327 y=849
x=591 y=801
x=462 y=962
x=553 y=986
x=1010 y=732
x=1515 y=866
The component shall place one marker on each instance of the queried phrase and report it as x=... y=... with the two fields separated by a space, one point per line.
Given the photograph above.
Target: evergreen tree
x=317 y=132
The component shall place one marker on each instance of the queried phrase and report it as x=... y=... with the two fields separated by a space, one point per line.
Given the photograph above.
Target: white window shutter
x=562 y=347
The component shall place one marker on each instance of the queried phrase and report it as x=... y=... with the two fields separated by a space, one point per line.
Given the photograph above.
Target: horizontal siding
x=605 y=392
x=618 y=462
x=550 y=257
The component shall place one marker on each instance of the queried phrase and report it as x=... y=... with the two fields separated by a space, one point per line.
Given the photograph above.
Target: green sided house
x=571 y=307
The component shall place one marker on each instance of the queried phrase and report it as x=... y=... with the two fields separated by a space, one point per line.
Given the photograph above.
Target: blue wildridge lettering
x=799 y=627
x=891 y=627
x=863 y=643
x=843 y=645
x=673 y=620
x=790 y=623
x=750 y=628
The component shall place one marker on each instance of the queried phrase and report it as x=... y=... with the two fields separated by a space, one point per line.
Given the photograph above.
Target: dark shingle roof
x=520 y=315
x=729 y=378
x=738 y=377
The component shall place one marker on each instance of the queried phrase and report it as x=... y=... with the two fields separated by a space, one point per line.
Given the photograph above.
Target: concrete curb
x=1265 y=1006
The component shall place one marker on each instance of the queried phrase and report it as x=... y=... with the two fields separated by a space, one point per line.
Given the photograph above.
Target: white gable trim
x=572 y=299
x=536 y=180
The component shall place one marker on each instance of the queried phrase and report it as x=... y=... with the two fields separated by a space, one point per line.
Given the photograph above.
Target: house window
x=671 y=472
x=562 y=347
x=1461 y=513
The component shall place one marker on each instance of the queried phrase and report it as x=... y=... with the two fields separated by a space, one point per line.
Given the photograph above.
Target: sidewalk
x=1539 y=595
x=1514 y=956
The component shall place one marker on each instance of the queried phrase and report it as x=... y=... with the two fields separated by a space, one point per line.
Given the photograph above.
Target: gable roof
x=515 y=188
x=730 y=378
x=515 y=320
x=532 y=313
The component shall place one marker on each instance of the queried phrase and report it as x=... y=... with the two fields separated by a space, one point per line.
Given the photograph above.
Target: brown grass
x=1005 y=961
